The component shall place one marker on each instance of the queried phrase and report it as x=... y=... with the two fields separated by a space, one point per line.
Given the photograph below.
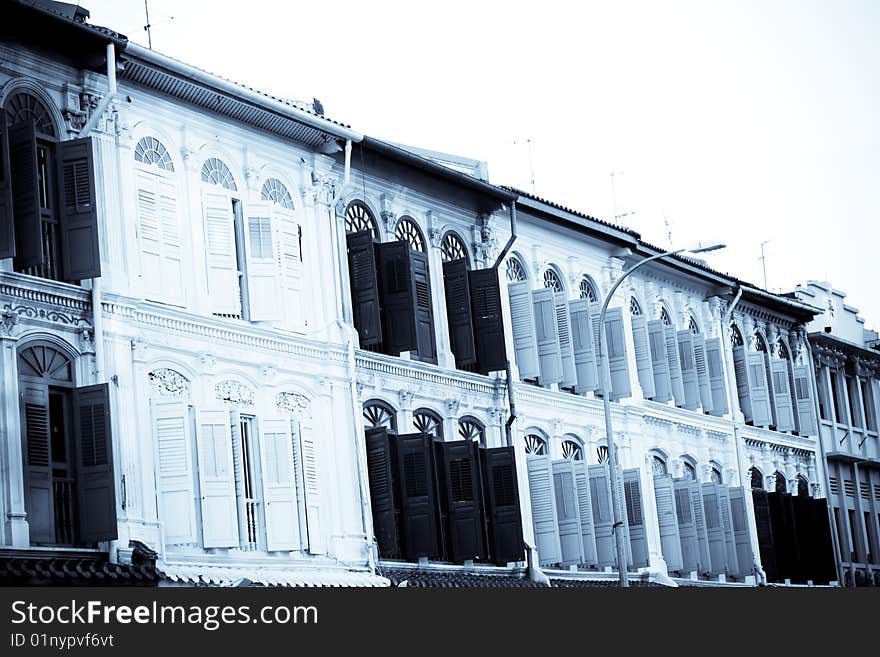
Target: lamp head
x=704 y=247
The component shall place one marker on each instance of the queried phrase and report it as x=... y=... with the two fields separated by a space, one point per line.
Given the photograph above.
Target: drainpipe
x=510 y=397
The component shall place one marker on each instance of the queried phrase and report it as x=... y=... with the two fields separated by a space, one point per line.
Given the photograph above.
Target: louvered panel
x=848 y=488
x=171 y=445
x=568 y=513
x=638 y=540
x=544 y=519
x=687 y=527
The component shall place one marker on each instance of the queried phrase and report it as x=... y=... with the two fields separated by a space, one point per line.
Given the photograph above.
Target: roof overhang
x=563 y=216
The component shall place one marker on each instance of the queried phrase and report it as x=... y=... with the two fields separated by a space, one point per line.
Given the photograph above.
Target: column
x=652 y=522
x=445 y=357
x=16 y=533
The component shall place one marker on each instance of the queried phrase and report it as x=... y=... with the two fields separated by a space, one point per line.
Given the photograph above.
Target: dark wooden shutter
x=568 y=513
x=398 y=298
x=426 y=342
x=667 y=518
x=824 y=569
x=659 y=361
x=806 y=538
x=543 y=499
x=488 y=320
x=93 y=446
x=503 y=513
x=584 y=349
x=364 y=282
x=714 y=363
x=418 y=507
x=462 y=499
x=687 y=528
x=382 y=495
x=603 y=517
x=80 y=251
x=764 y=527
x=635 y=517
x=458 y=311
x=7 y=226
x=25 y=194
x=40 y=506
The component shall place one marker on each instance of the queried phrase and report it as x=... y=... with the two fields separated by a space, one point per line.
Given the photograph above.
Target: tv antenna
x=148 y=27
x=618 y=215
x=763 y=260
x=531 y=163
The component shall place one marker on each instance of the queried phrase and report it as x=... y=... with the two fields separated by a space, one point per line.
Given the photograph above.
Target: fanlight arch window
x=693 y=327
x=634 y=308
x=760 y=343
x=216 y=172
x=276 y=191
x=516 y=271
x=427 y=421
x=756 y=478
x=715 y=475
x=571 y=449
x=803 y=486
x=407 y=231
x=782 y=350
x=602 y=454
x=151 y=151
x=780 y=483
x=24 y=107
x=658 y=466
x=45 y=361
x=378 y=414
x=535 y=444
x=688 y=471
x=664 y=316
x=588 y=290
x=358 y=218
x=736 y=338
x=552 y=280
x=470 y=428
x=452 y=248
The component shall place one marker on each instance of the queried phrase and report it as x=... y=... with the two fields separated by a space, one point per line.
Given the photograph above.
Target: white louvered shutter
x=760 y=394
x=174 y=472
x=644 y=362
x=563 y=330
x=568 y=513
x=279 y=486
x=585 y=510
x=781 y=394
x=803 y=392
x=615 y=338
x=699 y=509
x=522 y=324
x=582 y=343
x=727 y=525
x=667 y=517
x=312 y=485
x=296 y=449
x=217 y=480
x=687 y=528
x=688 y=369
x=635 y=517
x=290 y=265
x=223 y=284
x=543 y=499
x=743 y=382
x=160 y=238
x=659 y=361
x=261 y=249
x=739 y=516
x=603 y=517
x=595 y=314
x=714 y=364
x=714 y=528
x=672 y=358
x=547 y=337
x=705 y=386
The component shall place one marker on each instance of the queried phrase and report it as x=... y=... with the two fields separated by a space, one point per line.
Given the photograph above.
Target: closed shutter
x=806 y=538
x=703 y=383
x=644 y=361
x=426 y=342
x=667 y=517
x=563 y=330
x=544 y=518
x=223 y=287
x=714 y=528
x=688 y=369
x=782 y=394
x=418 y=507
x=171 y=261
x=174 y=472
x=582 y=343
x=717 y=382
x=7 y=226
x=803 y=393
x=159 y=237
x=291 y=266
x=503 y=513
x=547 y=337
x=603 y=517
x=398 y=297
x=261 y=250
x=635 y=517
x=25 y=195
x=217 y=480
x=700 y=523
x=745 y=558
x=93 y=446
x=279 y=486
x=761 y=412
x=825 y=569
x=743 y=382
x=488 y=320
x=615 y=338
x=364 y=282
x=783 y=540
x=81 y=257
x=522 y=326
x=311 y=468
x=382 y=498
x=571 y=538
x=463 y=499
x=659 y=361
x=727 y=526
x=672 y=358
x=458 y=311
x=687 y=527
x=764 y=530
x=585 y=511
x=38 y=473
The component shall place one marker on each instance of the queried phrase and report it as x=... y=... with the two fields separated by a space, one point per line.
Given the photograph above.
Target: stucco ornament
x=169 y=383
x=234 y=392
x=293 y=402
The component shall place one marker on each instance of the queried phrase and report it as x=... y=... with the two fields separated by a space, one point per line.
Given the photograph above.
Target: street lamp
x=605 y=391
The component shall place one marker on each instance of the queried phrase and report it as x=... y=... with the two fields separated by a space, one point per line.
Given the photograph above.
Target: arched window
x=780 y=483
x=571 y=449
x=358 y=218
x=602 y=454
x=274 y=190
x=378 y=414
x=151 y=151
x=552 y=280
x=736 y=338
x=756 y=477
x=535 y=444
x=715 y=475
x=634 y=308
x=23 y=107
x=588 y=290
x=470 y=428
x=427 y=421
x=760 y=344
x=45 y=361
x=803 y=486
x=215 y=172
x=688 y=471
x=516 y=271
x=452 y=248
x=658 y=466
x=664 y=316
x=693 y=327
x=782 y=350
x=407 y=231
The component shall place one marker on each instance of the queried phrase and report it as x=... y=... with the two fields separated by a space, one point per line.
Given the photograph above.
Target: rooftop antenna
x=618 y=216
x=764 y=262
x=531 y=163
x=668 y=225
x=148 y=27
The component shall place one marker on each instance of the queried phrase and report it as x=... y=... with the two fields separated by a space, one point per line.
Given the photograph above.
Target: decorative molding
x=87 y=340
x=234 y=393
x=170 y=383
x=295 y=403
x=8 y=322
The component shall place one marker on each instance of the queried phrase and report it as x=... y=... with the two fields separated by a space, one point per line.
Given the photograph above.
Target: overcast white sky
x=742 y=121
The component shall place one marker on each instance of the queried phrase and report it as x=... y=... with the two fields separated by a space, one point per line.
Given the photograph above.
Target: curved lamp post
x=605 y=390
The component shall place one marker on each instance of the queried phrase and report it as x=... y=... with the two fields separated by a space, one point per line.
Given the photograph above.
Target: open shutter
x=25 y=194
x=174 y=472
x=764 y=530
x=703 y=383
x=364 y=281
x=635 y=517
x=699 y=510
x=398 y=298
x=522 y=325
x=585 y=511
x=159 y=236
x=544 y=518
x=463 y=499
x=803 y=393
x=782 y=394
x=667 y=516
x=743 y=382
x=503 y=513
x=659 y=361
x=279 y=487
x=807 y=540
x=783 y=540
x=727 y=526
x=824 y=569
x=7 y=226
x=382 y=498
x=616 y=341
x=714 y=528
x=93 y=446
x=717 y=382
x=672 y=358
x=687 y=527
x=217 y=480
x=603 y=517
x=547 y=337
x=223 y=288
x=745 y=558
x=312 y=487
x=290 y=266
x=418 y=508
x=458 y=311
x=688 y=369
x=563 y=330
x=488 y=320
x=644 y=361
x=261 y=250
x=582 y=342
x=426 y=342
x=761 y=412
x=80 y=252
x=37 y=460
x=571 y=538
